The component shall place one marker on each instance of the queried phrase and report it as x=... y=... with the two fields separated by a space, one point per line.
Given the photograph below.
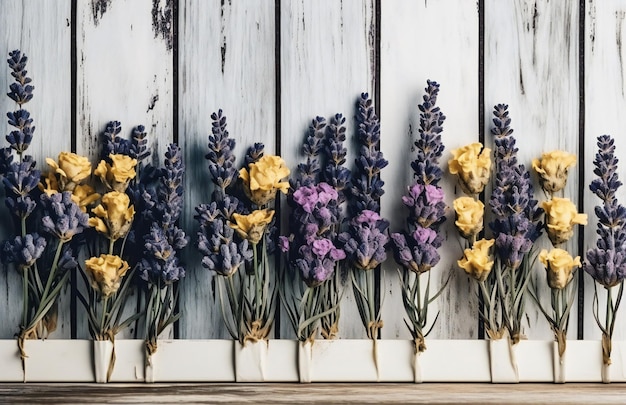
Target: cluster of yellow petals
x=114 y=216
x=561 y=216
x=117 y=174
x=263 y=178
x=477 y=261
x=552 y=169
x=252 y=226
x=559 y=265
x=469 y=216
x=105 y=273
x=67 y=173
x=472 y=163
x=83 y=195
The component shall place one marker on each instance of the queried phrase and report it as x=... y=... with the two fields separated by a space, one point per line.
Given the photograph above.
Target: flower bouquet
x=47 y=222
x=416 y=249
x=236 y=237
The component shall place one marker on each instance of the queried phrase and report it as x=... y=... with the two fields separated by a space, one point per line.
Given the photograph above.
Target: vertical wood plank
x=327 y=61
x=420 y=41
x=531 y=64
x=605 y=103
x=42 y=31
x=124 y=73
x=226 y=60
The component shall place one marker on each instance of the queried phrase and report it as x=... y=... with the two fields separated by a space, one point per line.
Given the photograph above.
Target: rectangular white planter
x=340 y=360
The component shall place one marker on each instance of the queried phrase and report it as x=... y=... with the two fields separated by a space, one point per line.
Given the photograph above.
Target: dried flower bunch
x=366 y=237
x=560 y=217
x=503 y=279
x=606 y=262
x=47 y=222
x=416 y=249
x=313 y=252
x=238 y=230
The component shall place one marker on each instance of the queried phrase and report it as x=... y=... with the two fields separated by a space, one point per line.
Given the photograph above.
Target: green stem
x=103 y=322
x=257 y=284
x=369 y=274
x=53 y=269
x=609 y=307
x=25 y=300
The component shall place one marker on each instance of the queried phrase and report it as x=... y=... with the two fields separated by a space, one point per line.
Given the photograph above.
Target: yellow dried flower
x=264 y=179
x=553 y=168
x=117 y=175
x=49 y=185
x=476 y=261
x=559 y=267
x=469 y=216
x=71 y=169
x=561 y=216
x=252 y=226
x=105 y=273
x=114 y=215
x=83 y=195
x=472 y=166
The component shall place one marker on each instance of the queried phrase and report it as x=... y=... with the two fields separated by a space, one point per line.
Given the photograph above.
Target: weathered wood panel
x=326 y=61
x=420 y=41
x=226 y=61
x=605 y=103
x=124 y=73
x=531 y=64
x=42 y=31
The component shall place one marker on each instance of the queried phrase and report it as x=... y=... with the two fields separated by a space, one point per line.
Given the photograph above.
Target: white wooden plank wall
x=327 y=61
x=605 y=103
x=538 y=79
x=272 y=66
x=124 y=73
x=226 y=61
x=42 y=30
x=418 y=45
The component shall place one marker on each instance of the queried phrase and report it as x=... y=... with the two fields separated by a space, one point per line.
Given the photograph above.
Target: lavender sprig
x=606 y=262
x=113 y=143
x=416 y=249
x=21 y=91
x=220 y=156
x=517 y=225
x=367 y=186
x=335 y=173
x=308 y=173
x=428 y=145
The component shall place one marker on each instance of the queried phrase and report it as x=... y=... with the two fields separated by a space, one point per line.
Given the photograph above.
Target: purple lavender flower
x=428 y=145
x=160 y=263
x=67 y=261
x=139 y=144
x=516 y=225
x=335 y=173
x=367 y=187
x=416 y=249
x=221 y=253
x=312 y=249
x=23 y=251
x=62 y=217
x=308 y=173
x=606 y=262
x=113 y=143
x=21 y=138
x=365 y=240
x=412 y=255
x=21 y=90
x=221 y=158
x=255 y=152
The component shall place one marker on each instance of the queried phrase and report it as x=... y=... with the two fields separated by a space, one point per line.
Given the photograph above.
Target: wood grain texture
x=605 y=103
x=42 y=31
x=327 y=61
x=539 y=82
x=124 y=73
x=478 y=394
x=226 y=62
x=420 y=41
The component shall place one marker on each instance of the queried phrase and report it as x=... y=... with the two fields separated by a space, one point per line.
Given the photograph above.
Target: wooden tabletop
x=314 y=393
